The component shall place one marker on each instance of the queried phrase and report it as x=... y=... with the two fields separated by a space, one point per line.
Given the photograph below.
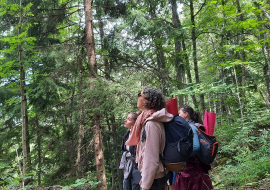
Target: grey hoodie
x=148 y=161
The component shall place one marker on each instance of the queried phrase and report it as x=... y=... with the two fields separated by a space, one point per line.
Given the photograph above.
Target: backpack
x=196 y=141
x=208 y=146
x=178 y=145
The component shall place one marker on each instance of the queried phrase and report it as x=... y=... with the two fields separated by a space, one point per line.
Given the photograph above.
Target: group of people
x=144 y=142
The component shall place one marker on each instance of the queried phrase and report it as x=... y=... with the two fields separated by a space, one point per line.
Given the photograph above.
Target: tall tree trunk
x=97 y=137
x=178 y=56
x=265 y=50
x=266 y=67
x=263 y=11
x=23 y=102
x=222 y=71
x=156 y=36
x=187 y=69
x=90 y=39
x=238 y=95
x=182 y=61
x=194 y=48
x=113 y=175
x=38 y=130
x=103 y=46
x=242 y=53
x=80 y=133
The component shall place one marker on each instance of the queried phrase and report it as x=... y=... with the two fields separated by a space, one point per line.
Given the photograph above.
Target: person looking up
x=131 y=174
x=149 y=135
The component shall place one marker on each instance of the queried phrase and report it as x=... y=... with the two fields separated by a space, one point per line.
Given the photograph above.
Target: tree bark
x=23 y=102
x=238 y=95
x=178 y=57
x=103 y=46
x=194 y=48
x=80 y=132
x=38 y=149
x=97 y=137
x=242 y=53
x=90 y=39
x=99 y=155
x=263 y=10
x=187 y=69
x=266 y=68
x=265 y=50
x=156 y=36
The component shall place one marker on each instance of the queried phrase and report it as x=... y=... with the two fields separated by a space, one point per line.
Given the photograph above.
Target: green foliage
x=245 y=149
x=82 y=183
x=139 y=45
x=9 y=175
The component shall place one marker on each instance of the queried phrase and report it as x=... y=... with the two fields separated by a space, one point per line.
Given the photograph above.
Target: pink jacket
x=149 y=162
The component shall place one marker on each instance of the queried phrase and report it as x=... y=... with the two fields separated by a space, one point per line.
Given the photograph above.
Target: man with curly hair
x=149 y=135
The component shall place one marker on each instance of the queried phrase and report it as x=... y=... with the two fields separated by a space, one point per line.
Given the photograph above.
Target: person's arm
x=151 y=154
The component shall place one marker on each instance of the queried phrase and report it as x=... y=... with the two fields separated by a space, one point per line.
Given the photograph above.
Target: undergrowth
x=243 y=159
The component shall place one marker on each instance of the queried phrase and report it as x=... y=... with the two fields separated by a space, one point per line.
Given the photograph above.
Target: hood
x=161 y=115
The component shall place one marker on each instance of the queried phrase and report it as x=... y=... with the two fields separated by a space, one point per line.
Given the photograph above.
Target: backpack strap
x=143 y=137
x=162 y=161
x=200 y=126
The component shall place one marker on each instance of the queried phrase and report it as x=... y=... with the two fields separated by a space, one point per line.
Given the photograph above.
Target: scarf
x=135 y=133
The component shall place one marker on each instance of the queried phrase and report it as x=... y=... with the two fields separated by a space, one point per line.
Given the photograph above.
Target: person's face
x=129 y=122
x=183 y=114
x=141 y=101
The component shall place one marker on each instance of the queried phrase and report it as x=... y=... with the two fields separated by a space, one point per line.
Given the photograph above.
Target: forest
x=70 y=72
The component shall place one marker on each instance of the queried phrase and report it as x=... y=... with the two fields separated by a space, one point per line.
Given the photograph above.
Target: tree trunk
x=242 y=53
x=90 y=39
x=38 y=149
x=156 y=36
x=185 y=60
x=99 y=155
x=23 y=102
x=222 y=71
x=103 y=46
x=194 y=48
x=113 y=175
x=80 y=132
x=178 y=57
x=97 y=137
x=265 y=50
x=238 y=95
x=263 y=11
x=187 y=69
x=266 y=67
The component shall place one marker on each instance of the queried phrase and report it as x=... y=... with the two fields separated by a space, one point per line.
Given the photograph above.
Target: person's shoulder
x=154 y=125
x=153 y=122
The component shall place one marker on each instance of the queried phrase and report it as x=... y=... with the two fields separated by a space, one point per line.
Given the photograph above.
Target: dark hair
x=194 y=115
x=154 y=97
x=136 y=114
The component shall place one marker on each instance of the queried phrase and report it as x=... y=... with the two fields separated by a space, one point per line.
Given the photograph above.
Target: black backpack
x=208 y=146
x=179 y=144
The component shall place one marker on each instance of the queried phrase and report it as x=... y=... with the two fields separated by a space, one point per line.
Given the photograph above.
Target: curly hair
x=154 y=98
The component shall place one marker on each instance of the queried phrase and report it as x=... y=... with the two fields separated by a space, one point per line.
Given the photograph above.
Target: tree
x=97 y=137
x=25 y=144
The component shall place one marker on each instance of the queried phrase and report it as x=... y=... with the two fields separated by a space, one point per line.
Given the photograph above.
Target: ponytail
x=194 y=115
x=197 y=117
